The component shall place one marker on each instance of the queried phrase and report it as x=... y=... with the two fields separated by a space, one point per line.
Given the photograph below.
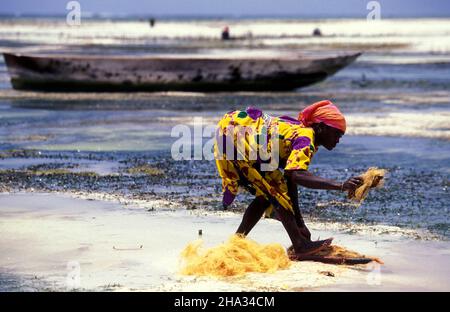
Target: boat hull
x=82 y=73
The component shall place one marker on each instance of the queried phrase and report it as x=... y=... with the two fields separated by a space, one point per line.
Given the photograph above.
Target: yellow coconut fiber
x=237 y=256
x=373 y=177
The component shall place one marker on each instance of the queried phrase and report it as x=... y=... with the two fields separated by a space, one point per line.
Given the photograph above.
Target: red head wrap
x=323 y=111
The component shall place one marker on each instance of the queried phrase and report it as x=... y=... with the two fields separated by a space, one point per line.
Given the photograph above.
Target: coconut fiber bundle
x=237 y=256
x=373 y=177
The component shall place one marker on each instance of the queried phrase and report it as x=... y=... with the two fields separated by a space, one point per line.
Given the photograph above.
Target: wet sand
x=41 y=234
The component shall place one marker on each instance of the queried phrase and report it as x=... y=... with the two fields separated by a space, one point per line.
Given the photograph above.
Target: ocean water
x=396 y=98
x=399 y=86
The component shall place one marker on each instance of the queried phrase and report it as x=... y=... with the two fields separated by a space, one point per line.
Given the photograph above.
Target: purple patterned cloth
x=253 y=112
x=228 y=198
x=290 y=120
x=300 y=143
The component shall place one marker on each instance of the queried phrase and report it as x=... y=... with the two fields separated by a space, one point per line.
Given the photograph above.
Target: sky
x=233 y=8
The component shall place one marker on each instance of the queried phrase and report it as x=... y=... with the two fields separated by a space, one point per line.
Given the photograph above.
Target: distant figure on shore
x=152 y=22
x=363 y=82
x=317 y=32
x=226 y=33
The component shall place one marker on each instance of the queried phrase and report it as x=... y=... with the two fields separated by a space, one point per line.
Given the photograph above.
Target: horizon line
x=107 y=15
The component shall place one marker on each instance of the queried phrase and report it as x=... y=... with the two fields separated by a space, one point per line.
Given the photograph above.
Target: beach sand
x=47 y=238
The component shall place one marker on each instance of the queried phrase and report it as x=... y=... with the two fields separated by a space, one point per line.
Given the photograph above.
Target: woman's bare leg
x=252 y=215
x=302 y=246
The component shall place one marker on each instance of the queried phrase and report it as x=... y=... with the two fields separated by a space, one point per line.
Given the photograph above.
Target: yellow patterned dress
x=243 y=137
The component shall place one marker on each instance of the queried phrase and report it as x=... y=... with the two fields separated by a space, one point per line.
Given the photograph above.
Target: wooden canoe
x=72 y=73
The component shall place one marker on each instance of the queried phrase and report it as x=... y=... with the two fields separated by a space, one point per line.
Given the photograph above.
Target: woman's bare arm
x=293 y=194
x=307 y=179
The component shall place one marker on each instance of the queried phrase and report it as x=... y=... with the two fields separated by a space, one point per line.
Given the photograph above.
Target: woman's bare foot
x=312 y=247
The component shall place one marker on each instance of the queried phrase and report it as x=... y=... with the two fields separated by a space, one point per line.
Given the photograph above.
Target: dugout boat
x=176 y=72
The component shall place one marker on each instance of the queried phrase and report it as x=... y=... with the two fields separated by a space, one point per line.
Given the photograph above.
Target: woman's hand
x=352 y=184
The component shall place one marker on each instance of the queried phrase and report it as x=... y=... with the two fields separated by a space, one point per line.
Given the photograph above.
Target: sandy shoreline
x=44 y=237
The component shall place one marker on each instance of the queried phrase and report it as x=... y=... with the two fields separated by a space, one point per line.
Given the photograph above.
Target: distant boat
x=178 y=72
